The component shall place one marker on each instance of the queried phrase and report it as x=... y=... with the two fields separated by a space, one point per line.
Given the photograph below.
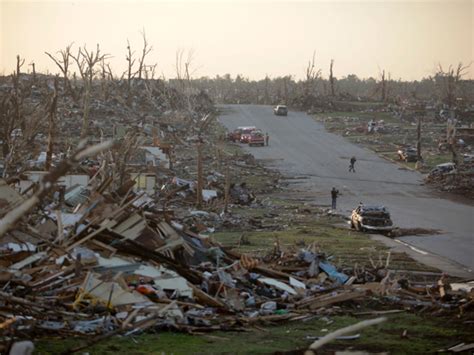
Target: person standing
x=334 y=194
x=352 y=163
x=267 y=138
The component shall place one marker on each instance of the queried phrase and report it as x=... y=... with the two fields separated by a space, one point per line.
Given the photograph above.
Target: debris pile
x=103 y=263
x=446 y=177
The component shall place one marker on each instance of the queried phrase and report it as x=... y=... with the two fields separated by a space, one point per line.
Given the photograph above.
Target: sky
x=252 y=38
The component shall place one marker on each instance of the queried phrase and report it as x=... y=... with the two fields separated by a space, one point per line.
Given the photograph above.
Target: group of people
x=334 y=191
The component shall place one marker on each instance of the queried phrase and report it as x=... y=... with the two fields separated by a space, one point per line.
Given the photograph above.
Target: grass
x=346 y=246
x=432 y=160
x=424 y=335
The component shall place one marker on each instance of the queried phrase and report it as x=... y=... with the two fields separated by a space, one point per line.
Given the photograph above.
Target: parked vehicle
x=245 y=134
x=280 y=110
x=408 y=154
x=468 y=158
x=234 y=136
x=257 y=138
x=371 y=218
x=442 y=169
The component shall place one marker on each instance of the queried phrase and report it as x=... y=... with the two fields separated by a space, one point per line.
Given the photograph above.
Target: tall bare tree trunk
x=331 y=78
x=51 y=125
x=199 y=175
x=384 y=87
x=86 y=108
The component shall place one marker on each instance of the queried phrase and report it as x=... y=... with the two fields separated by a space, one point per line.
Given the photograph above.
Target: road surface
x=301 y=147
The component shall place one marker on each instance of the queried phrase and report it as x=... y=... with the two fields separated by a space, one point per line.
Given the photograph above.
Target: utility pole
x=199 y=174
x=227 y=187
x=51 y=126
x=451 y=136
x=418 y=140
x=420 y=112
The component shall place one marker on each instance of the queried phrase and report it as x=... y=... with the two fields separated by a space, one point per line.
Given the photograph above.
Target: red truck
x=236 y=134
x=246 y=132
x=256 y=139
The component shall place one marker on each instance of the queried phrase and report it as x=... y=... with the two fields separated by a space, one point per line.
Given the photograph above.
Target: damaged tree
x=447 y=82
x=130 y=73
x=184 y=73
x=448 y=87
x=142 y=67
x=63 y=62
x=312 y=74
x=331 y=78
x=51 y=125
x=86 y=61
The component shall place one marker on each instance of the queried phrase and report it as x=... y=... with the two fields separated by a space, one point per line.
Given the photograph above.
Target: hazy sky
x=406 y=38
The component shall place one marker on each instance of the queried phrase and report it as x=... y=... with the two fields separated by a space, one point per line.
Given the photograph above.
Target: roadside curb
x=393 y=161
x=427 y=258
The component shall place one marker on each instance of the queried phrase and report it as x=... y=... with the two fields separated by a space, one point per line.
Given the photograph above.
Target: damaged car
x=371 y=218
x=409 y=154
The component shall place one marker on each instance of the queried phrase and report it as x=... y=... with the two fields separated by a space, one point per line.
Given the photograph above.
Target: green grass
x=348 y=247
x=424 y=335
x=432 y=160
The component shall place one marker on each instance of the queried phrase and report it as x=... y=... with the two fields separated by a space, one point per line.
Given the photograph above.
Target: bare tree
x=184 y=72
x=86 y=61
x=33 y=68
x=312 y=74
x=331 y=78
x=286 y=81
x=266 y=97
x=19 y=64
x=383 y=86
x=19 y=122
x=51 y=125
x=17 y=95
x=145 y=51
x=106 y=77
x=130 y=73
x=63 y=62
x=448 y=82
x=7 y=119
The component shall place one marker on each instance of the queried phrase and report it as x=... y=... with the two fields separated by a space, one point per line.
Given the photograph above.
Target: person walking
x=352 y=163
x=334 y=194
x=267 y=138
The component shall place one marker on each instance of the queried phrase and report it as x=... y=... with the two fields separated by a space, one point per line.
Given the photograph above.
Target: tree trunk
x=51 y=126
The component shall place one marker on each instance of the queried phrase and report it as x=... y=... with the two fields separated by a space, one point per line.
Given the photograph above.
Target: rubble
x=118 y=243
x=106 y=265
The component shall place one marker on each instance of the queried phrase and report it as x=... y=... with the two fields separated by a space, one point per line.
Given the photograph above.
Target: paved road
x=301 y=147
